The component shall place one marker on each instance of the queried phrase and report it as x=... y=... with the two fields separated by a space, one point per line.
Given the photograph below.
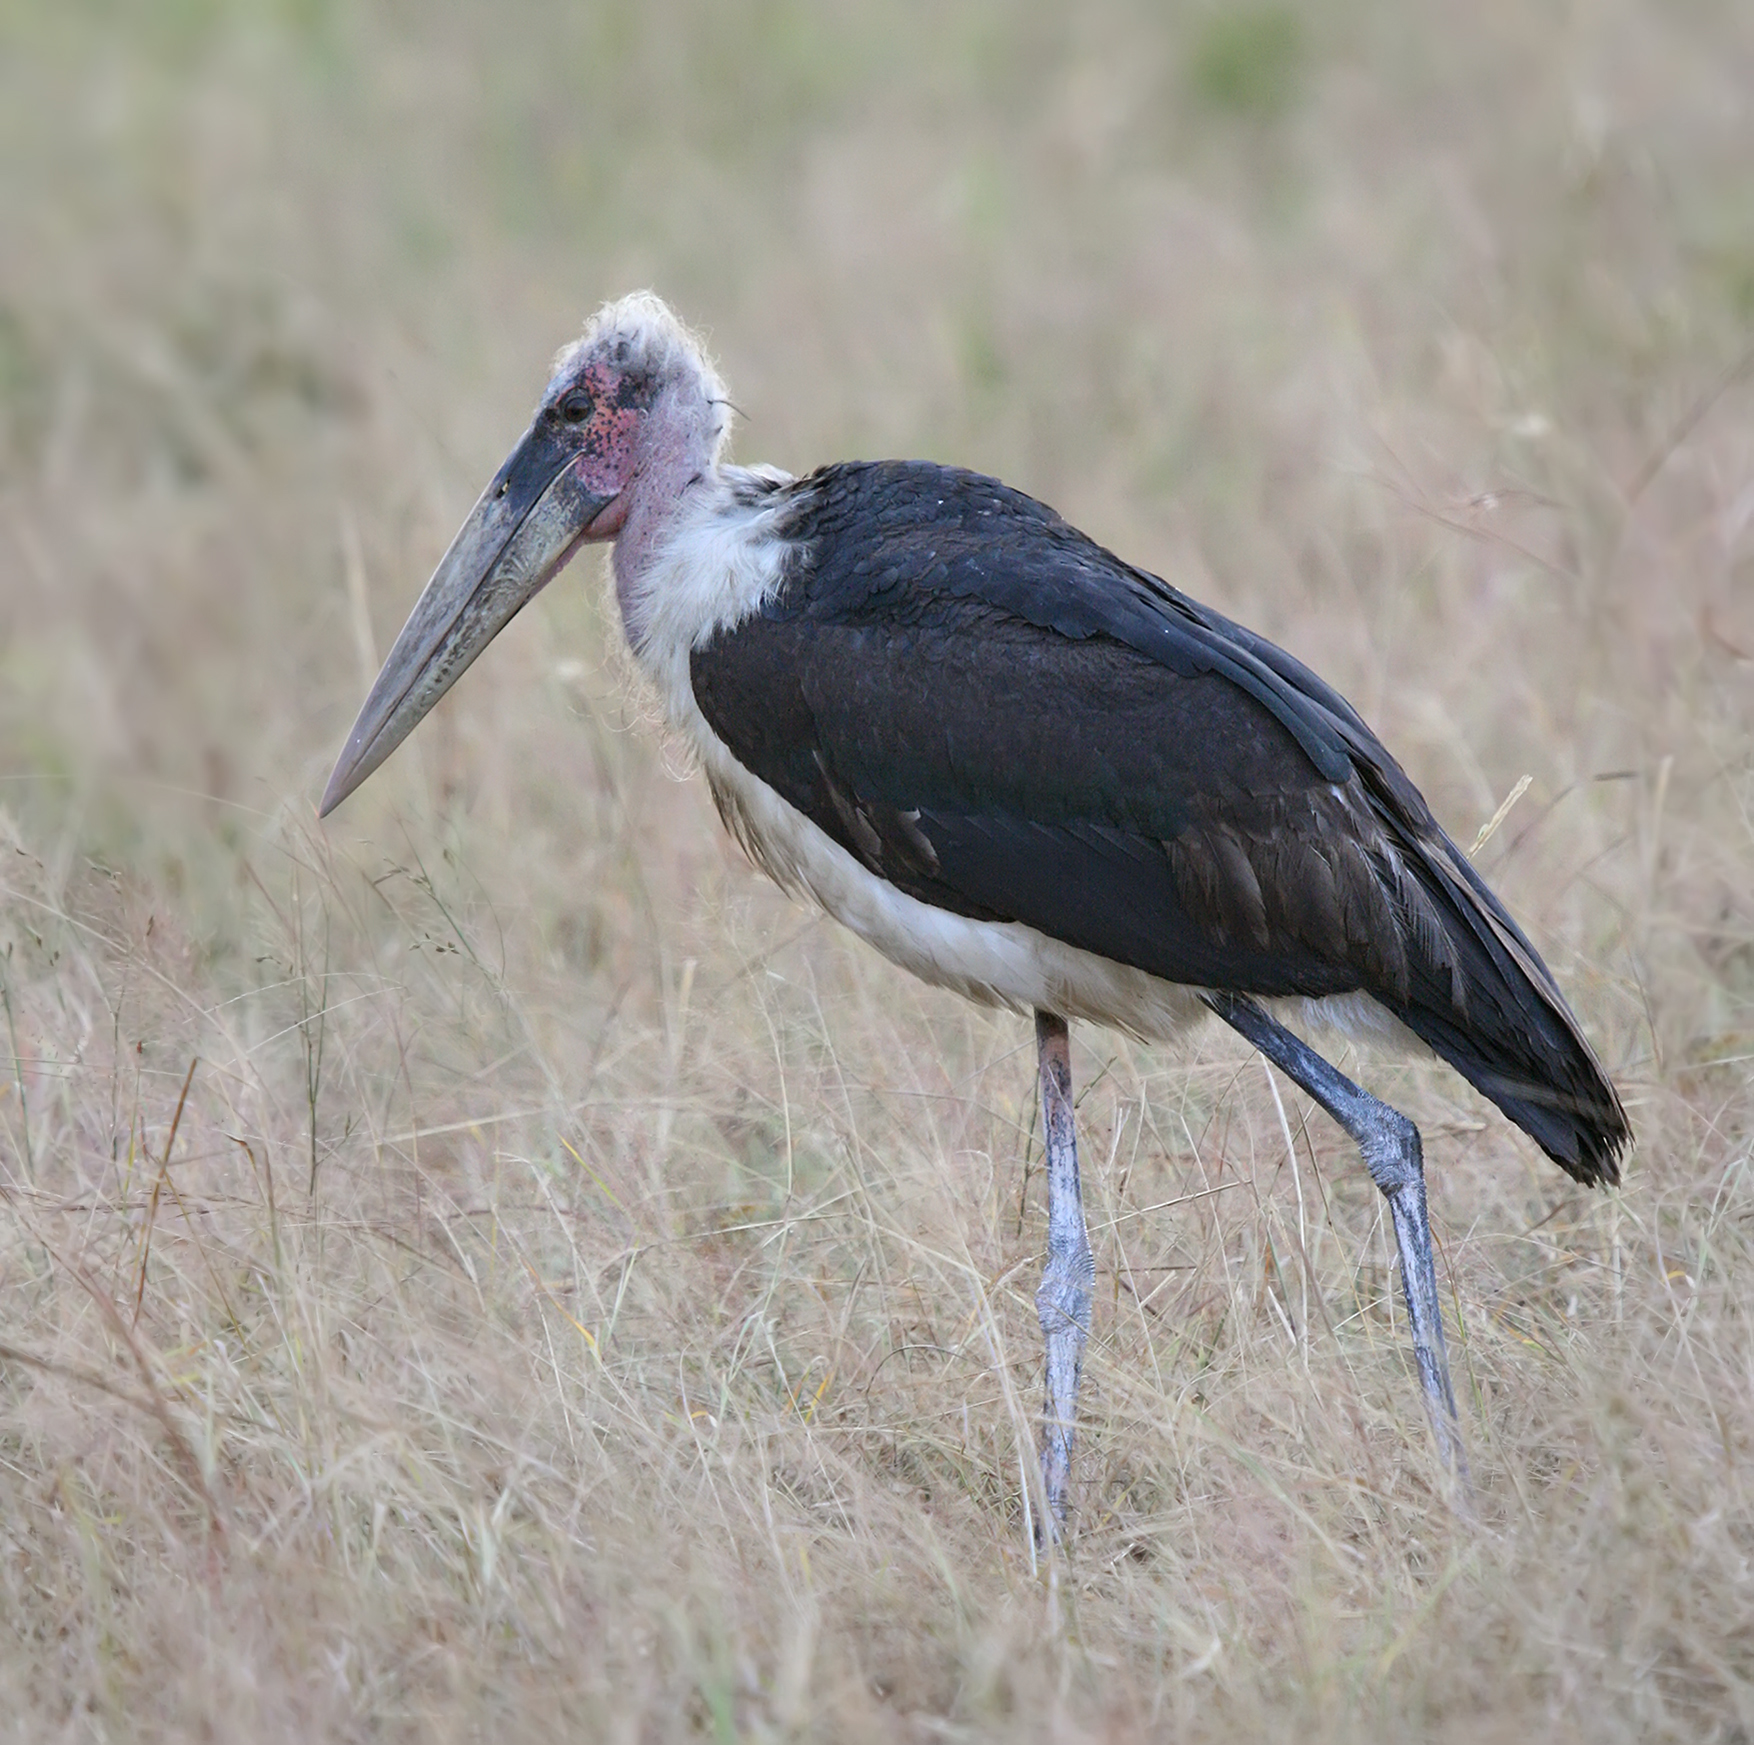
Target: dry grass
x=586 y=1296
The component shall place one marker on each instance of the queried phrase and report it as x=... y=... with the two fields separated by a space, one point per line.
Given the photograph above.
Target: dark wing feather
x=1006 y=721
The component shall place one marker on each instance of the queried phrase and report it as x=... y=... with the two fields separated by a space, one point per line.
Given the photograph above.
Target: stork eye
x=575 y=408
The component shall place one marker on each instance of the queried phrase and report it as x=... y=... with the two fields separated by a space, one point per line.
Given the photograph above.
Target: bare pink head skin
x=658 y=428
x=634 y=419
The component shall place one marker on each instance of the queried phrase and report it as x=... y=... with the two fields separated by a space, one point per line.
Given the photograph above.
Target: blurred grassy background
x=586 y=1294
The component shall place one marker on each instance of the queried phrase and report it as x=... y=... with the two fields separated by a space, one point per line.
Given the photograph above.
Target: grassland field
x=490 y=1266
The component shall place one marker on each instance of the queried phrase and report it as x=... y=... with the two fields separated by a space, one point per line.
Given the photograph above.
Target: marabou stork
x=1020 y=768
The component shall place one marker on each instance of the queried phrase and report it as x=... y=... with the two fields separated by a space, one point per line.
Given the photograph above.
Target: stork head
x=632 y=417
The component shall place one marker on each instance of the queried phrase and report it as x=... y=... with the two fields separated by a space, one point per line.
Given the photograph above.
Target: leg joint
x=1392 y=1149
x=1062 y=1299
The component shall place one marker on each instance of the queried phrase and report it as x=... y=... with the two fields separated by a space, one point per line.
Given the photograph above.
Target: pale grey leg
x=1395 y=1159
x=1063 y=1301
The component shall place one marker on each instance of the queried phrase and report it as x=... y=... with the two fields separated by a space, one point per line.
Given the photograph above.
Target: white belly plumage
x=999 y=963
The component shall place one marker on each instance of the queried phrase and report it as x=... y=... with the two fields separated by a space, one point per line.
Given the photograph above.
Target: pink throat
x=610 y=519
x=675 y=459
x=646 y=511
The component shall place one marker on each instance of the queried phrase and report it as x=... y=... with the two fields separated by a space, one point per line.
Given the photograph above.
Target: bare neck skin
x=677 y=461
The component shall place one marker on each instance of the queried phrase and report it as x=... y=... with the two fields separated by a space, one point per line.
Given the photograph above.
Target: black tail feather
x=1561 y=1098
x=1510 y=1033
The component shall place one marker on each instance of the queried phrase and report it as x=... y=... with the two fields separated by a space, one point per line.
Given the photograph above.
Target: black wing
x=1006 y=721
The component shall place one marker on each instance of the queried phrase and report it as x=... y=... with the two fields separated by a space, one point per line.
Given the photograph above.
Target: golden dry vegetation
x=583 y=1294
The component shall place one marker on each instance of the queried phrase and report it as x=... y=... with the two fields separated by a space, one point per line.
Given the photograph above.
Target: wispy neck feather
x=696 y=560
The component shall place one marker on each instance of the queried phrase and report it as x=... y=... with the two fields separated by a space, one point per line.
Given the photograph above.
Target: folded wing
x=1003 y=720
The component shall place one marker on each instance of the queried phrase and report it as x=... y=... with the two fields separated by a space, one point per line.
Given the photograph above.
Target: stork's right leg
x=1062 y=1302
x=1394 y=1157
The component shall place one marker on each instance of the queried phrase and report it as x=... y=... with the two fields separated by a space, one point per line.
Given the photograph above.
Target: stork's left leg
x=1063 y=1301
x=1395 y=1159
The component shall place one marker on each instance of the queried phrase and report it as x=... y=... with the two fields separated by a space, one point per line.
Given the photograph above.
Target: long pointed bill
x=530 y=520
